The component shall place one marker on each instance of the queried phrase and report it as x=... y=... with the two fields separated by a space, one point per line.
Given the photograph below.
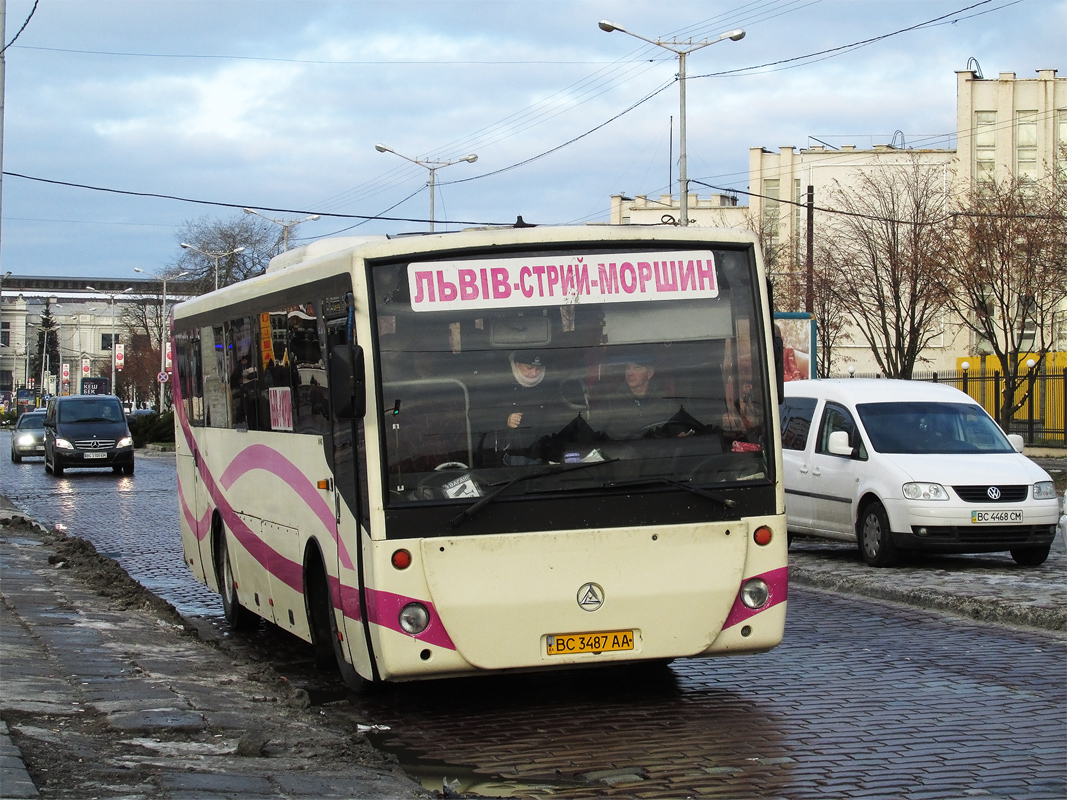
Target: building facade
x=1006 y=127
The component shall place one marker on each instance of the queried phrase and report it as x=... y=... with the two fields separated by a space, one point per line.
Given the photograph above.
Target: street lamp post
x=112 y=296
x=681 y=49
x=432 y=166
x=215 y=256
x=163 y=328
x=286 y=224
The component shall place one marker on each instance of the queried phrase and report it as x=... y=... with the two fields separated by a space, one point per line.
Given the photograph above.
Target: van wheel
x=873 y=536
x=1031 y=556
x=127 y=469
x=239 y=617
x=56 y=469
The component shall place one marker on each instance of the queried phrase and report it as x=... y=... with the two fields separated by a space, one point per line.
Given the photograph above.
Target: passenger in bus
x=534 y=407
x=637 y=406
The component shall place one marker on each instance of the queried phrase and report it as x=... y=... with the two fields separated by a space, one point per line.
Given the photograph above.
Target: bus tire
x=322 y=620
x=874 y=537
x=239 y=617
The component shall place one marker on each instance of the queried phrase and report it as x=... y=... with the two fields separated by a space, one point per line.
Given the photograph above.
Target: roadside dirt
x=258 y=727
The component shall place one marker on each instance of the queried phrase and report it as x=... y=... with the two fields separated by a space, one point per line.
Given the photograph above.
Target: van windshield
x=931 y=428
x=93 y=410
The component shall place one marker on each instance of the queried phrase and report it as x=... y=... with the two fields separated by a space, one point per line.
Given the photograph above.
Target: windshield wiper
x=726 y=502
x=556 y=469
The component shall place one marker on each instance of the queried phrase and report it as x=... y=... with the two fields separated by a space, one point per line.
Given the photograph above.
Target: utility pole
x=809 y=294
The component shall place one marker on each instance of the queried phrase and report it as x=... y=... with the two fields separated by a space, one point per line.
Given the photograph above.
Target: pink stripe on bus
x=383 y=608
x=777 y=580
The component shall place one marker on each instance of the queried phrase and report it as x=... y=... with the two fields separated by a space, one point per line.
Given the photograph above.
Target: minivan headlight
x=125 y=441
x=925 y=491
x=63 y=444
x=1044 y=490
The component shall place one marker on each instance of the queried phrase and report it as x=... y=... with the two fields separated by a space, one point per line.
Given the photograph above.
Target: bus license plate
x=996 y=516
x=96 y=455
x=560 y=644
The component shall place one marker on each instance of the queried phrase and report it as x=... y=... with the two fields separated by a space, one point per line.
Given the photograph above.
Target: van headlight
x=63 y=444
x=125 y=441
x=925 y=491
x=1044 y=490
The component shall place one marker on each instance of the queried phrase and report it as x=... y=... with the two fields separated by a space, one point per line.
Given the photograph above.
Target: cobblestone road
x=863 y=699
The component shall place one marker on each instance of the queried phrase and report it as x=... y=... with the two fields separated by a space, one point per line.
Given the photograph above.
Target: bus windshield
x=646 y=365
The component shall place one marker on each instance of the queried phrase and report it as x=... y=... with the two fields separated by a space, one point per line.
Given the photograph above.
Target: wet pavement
x=187 y=718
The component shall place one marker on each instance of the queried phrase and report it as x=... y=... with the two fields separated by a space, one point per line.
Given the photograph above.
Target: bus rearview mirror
x=348 y=394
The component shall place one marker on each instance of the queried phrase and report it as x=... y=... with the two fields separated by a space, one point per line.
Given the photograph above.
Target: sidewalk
x=119 y=699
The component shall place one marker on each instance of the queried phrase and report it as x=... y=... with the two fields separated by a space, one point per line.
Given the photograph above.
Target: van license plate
x=560 y=644
x=96 y=455
x=996 y=516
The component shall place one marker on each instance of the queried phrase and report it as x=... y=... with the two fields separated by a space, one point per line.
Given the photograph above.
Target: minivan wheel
x=875 y=540
x=1031 y=556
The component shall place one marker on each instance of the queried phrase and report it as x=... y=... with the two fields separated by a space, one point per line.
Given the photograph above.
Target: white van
x=896 y=465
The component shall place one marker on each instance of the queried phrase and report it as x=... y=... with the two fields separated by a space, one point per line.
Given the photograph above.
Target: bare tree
x=883 y=250
x=1007 y=274
x=831 y=321
x=260 y=238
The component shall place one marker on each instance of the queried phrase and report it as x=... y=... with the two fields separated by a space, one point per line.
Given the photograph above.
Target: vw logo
x=993 y=492
x=590 y=597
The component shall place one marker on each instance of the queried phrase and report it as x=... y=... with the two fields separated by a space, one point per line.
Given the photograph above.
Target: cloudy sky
x=278 y=105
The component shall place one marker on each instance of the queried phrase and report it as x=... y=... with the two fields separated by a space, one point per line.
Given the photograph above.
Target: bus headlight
x=755 y=593
x=414 y=618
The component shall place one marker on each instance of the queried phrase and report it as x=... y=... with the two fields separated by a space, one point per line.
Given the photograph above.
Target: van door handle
x=804 y=469
x=816 y=472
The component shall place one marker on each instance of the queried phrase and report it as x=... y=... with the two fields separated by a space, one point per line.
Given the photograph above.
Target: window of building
x=985 y=146
x=5 y=334
x=1026 y=167
x=1061 y=145
x=771 y=208
x=105 y=340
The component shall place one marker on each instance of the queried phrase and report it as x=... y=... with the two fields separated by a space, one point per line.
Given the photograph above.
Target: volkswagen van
x=906 y=465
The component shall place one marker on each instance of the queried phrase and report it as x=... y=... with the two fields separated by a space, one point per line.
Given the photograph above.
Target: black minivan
x=87 y=430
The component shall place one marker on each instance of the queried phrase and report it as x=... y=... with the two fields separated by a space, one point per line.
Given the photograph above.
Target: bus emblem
x=590 y=597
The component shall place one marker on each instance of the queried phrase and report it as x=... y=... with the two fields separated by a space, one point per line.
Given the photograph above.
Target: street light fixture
x=163 y=328
x=681 y=49
x=432 y=166
x=112 y=296
x=286 y=224
x=215 y=256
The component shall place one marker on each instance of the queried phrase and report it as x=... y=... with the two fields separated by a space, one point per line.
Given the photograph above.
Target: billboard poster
x=798 y=338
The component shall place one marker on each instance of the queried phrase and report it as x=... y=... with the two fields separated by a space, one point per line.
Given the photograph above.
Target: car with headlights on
x=899 y=465
x=27 y=438
x=87 y=430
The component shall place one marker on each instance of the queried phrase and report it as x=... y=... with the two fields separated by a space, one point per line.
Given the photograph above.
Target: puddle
x=450 y=780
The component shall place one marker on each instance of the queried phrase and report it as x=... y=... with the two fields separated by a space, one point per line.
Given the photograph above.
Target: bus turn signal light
x=401 y=559
x=763 y=535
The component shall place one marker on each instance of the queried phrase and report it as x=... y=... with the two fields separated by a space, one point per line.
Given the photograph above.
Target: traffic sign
x=162 y=377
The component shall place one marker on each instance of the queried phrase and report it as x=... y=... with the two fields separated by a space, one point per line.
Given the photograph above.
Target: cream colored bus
x=504 y=449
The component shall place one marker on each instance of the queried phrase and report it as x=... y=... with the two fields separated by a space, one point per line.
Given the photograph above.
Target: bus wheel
x=324 y=633
x=239 y=617
x=875 y=540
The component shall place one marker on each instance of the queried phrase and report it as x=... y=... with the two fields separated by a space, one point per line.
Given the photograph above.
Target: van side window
x=838 y=418
x=796 y=414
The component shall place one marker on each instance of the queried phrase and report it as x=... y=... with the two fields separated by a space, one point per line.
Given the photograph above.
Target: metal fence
x=1041 y=418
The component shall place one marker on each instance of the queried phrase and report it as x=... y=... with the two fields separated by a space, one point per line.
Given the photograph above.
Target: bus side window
x=214 y=356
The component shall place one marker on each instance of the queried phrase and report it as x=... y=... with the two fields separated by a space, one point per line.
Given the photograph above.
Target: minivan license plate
x=996 y=516
x=96 y=455
x=560 y=644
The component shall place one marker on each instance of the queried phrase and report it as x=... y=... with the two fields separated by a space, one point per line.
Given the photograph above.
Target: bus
x=505 y=449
